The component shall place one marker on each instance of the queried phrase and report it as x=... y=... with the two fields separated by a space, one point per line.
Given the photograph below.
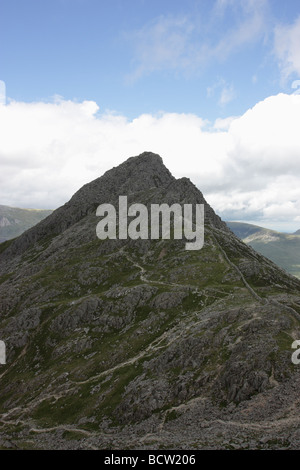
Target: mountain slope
x=14 y=221
x=282 y=248
x=140 y=343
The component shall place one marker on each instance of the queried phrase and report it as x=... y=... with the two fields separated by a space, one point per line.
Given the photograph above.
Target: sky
x=213 y=86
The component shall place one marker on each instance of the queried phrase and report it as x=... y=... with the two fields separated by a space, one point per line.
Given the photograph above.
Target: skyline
x=213 y=58
x=212 y=87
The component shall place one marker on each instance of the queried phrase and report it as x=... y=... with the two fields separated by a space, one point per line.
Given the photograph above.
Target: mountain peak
x=146 y=157
x=125 y=342
x=136 y=175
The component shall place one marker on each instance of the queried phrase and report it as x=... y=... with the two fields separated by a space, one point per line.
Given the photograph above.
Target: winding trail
x=162 y=342
x=251 y=290
x=171 y=335
x=144 y=278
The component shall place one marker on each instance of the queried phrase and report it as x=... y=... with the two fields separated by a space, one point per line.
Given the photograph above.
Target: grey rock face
x=135 y=176
x=140 y=343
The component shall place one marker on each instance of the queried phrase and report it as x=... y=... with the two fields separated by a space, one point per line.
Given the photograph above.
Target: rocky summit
x=142 y=344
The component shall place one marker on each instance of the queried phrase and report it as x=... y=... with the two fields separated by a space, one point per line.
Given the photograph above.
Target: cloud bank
x=248 y=167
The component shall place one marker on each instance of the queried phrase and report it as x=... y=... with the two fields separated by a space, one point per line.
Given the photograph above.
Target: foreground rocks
x=142 y=344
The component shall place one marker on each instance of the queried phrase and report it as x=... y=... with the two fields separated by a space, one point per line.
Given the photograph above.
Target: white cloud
x=286 y=46
x=227 y=95
x=223 y=124
x=188 y=43
x=248 y=167
x=251 y=25
x=226 y=92
x=162 y=44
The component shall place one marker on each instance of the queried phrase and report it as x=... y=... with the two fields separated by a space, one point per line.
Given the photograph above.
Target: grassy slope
x=64 y=374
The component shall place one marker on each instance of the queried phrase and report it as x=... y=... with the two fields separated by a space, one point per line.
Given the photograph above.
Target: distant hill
x=243 y=230
x=14 y=221
x=282 y=248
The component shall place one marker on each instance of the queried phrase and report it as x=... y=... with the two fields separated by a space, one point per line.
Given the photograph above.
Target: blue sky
x=109 y=51
x=132 y=69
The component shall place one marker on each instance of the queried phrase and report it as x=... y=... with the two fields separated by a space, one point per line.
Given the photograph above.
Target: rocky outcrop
x=141 y=343
x=134 y=177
